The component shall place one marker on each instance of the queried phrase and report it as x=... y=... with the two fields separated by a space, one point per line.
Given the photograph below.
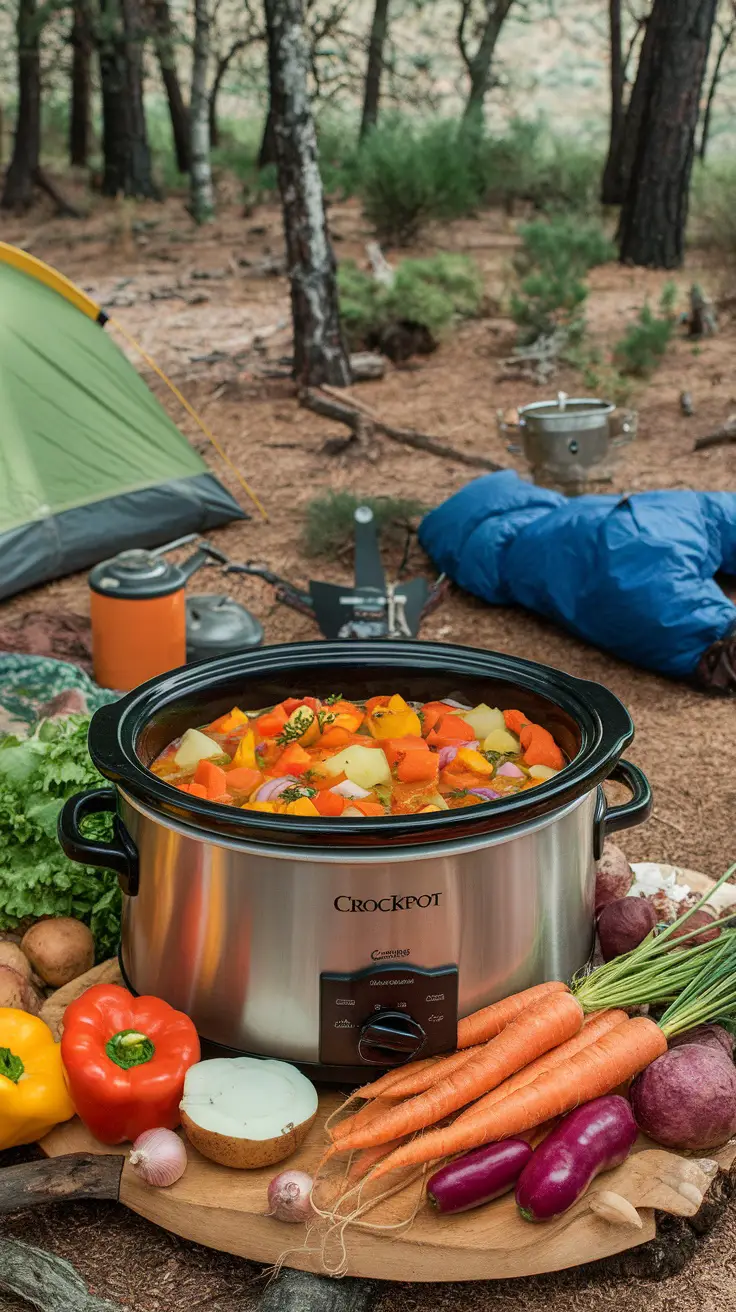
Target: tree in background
x=164 y=44
x=201 y=195
x=479 y=64
x=622 y=123
x=127 y=157
x=726 y=27
x=80 y=99
x=20 y=177
x=320 y=354
x=666 y=97
x=374 y=69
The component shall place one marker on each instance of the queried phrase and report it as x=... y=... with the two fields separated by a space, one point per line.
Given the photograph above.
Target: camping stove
x=571 y=443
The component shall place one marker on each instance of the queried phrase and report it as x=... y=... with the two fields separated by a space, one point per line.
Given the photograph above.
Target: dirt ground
x=192 y=298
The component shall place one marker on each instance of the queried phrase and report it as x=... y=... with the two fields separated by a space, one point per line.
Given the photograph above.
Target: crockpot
x=352 y=943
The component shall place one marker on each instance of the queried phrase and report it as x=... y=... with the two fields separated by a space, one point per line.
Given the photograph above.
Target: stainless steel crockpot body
x=352 y=943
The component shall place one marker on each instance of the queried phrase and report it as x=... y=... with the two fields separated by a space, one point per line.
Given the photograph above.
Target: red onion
x=273 y=788
x=510 y=770
x=448 y=754
x=348 y=789
x=488 y=794
x=289 y=1196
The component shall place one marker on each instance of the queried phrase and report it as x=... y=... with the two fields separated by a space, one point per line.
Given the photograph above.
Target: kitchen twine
x=191 y=412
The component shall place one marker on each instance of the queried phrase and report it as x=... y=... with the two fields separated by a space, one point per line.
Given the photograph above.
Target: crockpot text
x=398 y=902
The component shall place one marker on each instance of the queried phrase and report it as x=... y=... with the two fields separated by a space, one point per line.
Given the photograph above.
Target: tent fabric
x=89 y=460
x=634 y=575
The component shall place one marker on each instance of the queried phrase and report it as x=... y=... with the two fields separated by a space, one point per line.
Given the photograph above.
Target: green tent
x=90 y=463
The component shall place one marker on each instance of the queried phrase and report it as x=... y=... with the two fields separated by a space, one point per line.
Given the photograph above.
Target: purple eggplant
x=593 y=1138
x=479 y=1177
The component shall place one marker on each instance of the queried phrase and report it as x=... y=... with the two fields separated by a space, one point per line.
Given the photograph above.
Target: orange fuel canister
x=138 y=611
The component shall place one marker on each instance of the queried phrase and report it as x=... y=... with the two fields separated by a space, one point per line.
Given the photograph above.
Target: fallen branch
x=77 y=1175
x=359 y=418
x=65 y=209
x=720 y=437
x=46 y=1281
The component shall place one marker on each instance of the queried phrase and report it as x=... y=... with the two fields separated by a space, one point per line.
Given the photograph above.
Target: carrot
x=595 y=1070
x=362 y=1117
x=368 y=808
x=540 y=747
x=545 y=1024
x=328 y=803
x=593 y=1027
x=381 y=1087
x=366 y=1160
x=490 y=1021
x=211 y=777
x=417 y=1081
x=514 y=721
x=418 y=767
x=337 y=737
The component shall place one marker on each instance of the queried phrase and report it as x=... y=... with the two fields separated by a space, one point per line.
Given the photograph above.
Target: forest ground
x=186 y=294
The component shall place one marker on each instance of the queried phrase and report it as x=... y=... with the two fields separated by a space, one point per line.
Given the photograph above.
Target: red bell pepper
x=125 y=1060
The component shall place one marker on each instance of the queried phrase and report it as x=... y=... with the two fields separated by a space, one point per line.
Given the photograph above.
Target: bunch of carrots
x=530 y=1058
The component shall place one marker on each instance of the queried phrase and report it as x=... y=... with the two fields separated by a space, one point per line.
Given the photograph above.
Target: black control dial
x=389 y=1038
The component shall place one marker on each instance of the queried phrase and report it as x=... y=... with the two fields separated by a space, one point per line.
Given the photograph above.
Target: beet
x=478 y=1177
x=593 y=1138
x=698 y=918
x=706 y=1036
x=623 y=925
x=614 y=876
x=687 y=1099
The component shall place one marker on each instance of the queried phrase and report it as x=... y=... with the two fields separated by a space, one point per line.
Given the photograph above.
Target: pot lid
x=136 y=574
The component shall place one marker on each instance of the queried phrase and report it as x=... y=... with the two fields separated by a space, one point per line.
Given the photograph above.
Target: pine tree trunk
x=374 y=69
x=479 y=67
x=127 y=158
x=267 y=152
x=320 y=353
x=201 y=197
x=611 y=191
x=79 y=109
x=654 y=214
x=19 y=179
x=163 y=39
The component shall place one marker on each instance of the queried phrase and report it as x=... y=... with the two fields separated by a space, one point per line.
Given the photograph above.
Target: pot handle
x=608 y=820
x=121 y=855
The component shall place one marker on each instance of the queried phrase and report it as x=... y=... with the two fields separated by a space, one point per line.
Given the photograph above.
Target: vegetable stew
x=381 y=757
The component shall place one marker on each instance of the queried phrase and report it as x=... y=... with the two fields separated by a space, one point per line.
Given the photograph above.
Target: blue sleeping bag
x=634 y=575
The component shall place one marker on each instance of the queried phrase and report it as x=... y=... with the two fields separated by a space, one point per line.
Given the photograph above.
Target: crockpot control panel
x=386 y=1015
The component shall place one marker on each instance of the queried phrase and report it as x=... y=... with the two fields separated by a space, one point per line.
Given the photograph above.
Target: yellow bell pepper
x=474 y=761
x=302 y=806
x=33 y=1093
x=397 y=720
x=245 y=754
x=268 y=808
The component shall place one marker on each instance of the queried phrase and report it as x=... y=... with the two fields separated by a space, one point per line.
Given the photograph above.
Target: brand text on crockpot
x=398 y=902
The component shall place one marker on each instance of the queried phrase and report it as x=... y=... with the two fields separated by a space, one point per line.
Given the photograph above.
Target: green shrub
x=713 y=207
x=430 y=293
x=409 y=174
x=330 y=522
x=556 y=254
x=644 y=343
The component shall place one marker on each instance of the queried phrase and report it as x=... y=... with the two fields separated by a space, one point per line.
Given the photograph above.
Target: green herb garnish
x=295 y=728
x=333 y=698
x=295 y=793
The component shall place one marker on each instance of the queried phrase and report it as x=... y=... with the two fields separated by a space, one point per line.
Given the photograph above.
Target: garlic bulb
x=159 y=1157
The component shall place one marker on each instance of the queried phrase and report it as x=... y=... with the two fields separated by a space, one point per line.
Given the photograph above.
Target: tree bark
x=320 y=353
x=79 y=109
x=479 y=64
x=18 y=190
x=727 y=35
x=163 y=40
x=610 y=190
x=127 y=158
x=201 y=197
x=374 y=68
x=267 y=152
x=221 y=67
x=667 y=90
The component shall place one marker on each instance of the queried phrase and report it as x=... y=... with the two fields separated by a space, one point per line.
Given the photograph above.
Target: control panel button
x=389 y=1038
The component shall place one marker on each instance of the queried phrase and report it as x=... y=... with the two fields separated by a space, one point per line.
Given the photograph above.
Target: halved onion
x=245 y=1112
x=510 y=771
x=348 y=789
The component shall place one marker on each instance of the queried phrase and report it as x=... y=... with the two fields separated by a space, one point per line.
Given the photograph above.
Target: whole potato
x=623 y=925
x=11 y=955
x=17 y=991
x=59 y=950
x=687 y=1099
x=613 y=877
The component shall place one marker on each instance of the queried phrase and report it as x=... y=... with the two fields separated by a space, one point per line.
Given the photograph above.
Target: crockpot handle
x=608 y=820
x=121 y=855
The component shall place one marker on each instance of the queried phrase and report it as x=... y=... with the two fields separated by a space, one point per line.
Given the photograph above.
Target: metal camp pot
x=570 y=442
x=352 y=943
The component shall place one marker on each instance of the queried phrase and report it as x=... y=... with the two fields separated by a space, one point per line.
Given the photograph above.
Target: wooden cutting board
x=226 y=1210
